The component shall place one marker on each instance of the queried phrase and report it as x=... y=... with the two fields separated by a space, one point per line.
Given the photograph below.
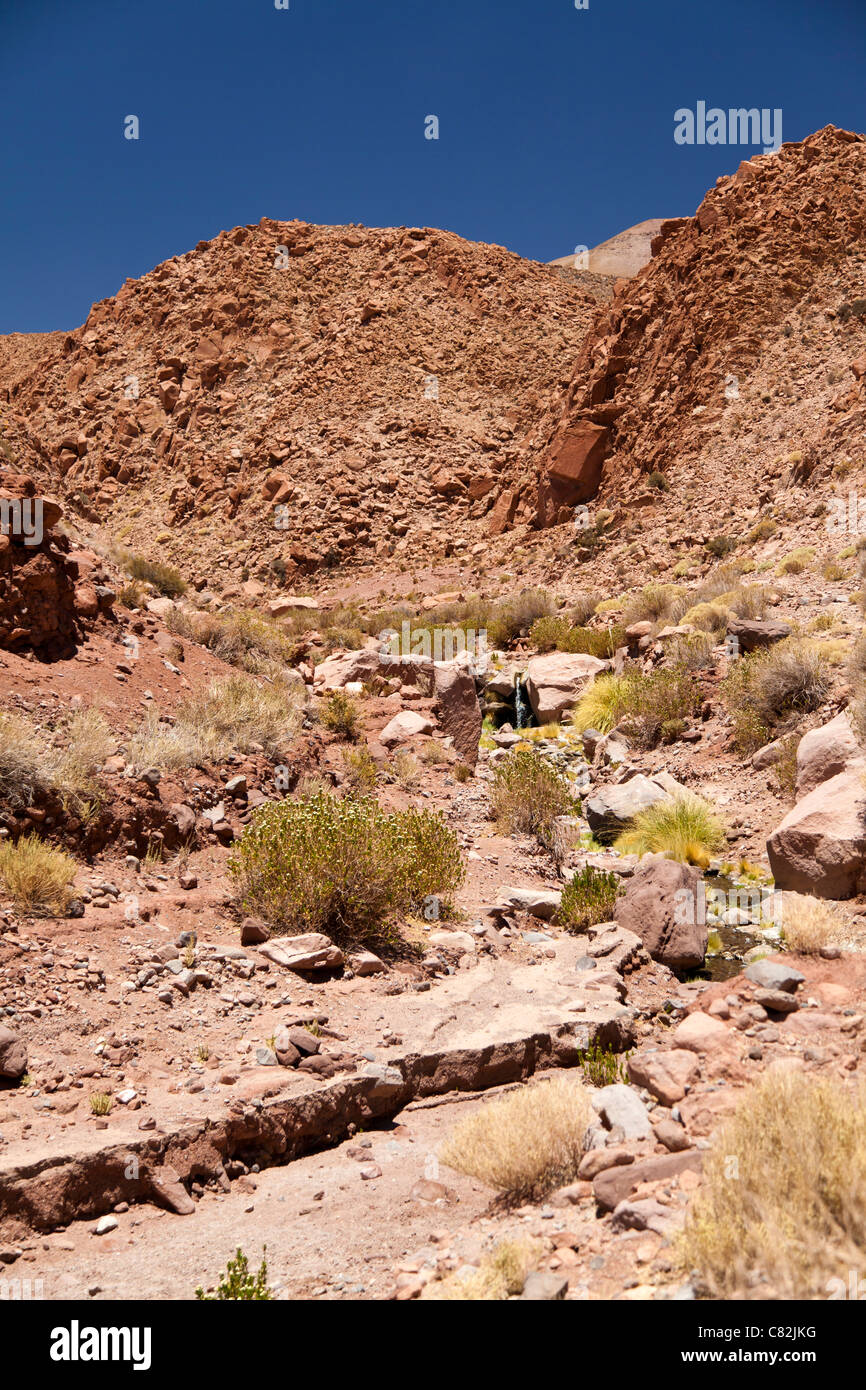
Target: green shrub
x=588 y=899
x=237 y=1284
x=165 y=578
x=360 y=769
x=721 y=546
x=528 y=794
x=343 y=867
x=340 y=715
x=546 y=633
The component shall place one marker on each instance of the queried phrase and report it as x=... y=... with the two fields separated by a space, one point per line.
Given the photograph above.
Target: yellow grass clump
x=525 y=1144
x=781 y=1212
x=37 y=876
x=808 y=923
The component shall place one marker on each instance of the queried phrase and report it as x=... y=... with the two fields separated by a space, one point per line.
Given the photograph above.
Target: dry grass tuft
x=782 y=1208
x=500 y=1274
x=809 y=923
x=37 y=876
x=230 y=716
x=525 y=1144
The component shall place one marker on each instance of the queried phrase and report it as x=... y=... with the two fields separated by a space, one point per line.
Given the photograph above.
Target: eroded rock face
x=820 y=846
x=659 y=358
x=46 y=591
x=199 y=330
x=458 y=709
x=655 y=906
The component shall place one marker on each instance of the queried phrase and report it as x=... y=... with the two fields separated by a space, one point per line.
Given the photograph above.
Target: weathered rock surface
x=556 y=681
x=820 y=846
x=659 y=906
x=824 y=753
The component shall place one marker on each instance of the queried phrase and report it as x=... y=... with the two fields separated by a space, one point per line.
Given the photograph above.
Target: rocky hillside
x=374 y=385
x=737 y=353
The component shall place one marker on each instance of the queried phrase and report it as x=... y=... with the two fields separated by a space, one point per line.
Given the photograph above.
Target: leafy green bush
x=237 y=1284
x=340 y=715
x=546 y=633
x=587 y=899
x=528 y=794
x=343 y=867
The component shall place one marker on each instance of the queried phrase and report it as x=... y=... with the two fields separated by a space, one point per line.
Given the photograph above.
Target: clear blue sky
x=556 y=125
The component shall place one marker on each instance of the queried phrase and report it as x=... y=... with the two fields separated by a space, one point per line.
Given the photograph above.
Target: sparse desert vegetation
x=526 y=1143
x=782 y=1206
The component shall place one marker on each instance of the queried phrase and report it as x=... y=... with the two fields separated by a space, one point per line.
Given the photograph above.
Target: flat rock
x=773 y=975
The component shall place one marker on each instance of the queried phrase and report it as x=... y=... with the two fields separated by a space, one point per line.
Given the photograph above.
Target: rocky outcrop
x=458 y=710
x=47 y=591
x=662 y=366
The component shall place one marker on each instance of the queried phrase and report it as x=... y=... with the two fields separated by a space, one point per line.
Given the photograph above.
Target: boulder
x=700 y=1033
x=571 y=470
x=457 y=709
x=556 y=681
x=13 y=1055
x=774 y=975
x=337 y=671
x=665 y=1074
x=404 y=726
x=611 y=809
x=614 y=1185
x=658 y=905
x=752 y=634
x=621 y=1107
x=824 y=753
x=538 y=902
x=820 y=846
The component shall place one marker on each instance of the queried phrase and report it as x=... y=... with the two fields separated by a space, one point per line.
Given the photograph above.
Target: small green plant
x=588 y=899
x=340 y=715
x=659 y=482
x=602 y=1066
x=360 y=770
x=202 y=1052
x=100 y=1103
x=238 y=1284
x=528 y=794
